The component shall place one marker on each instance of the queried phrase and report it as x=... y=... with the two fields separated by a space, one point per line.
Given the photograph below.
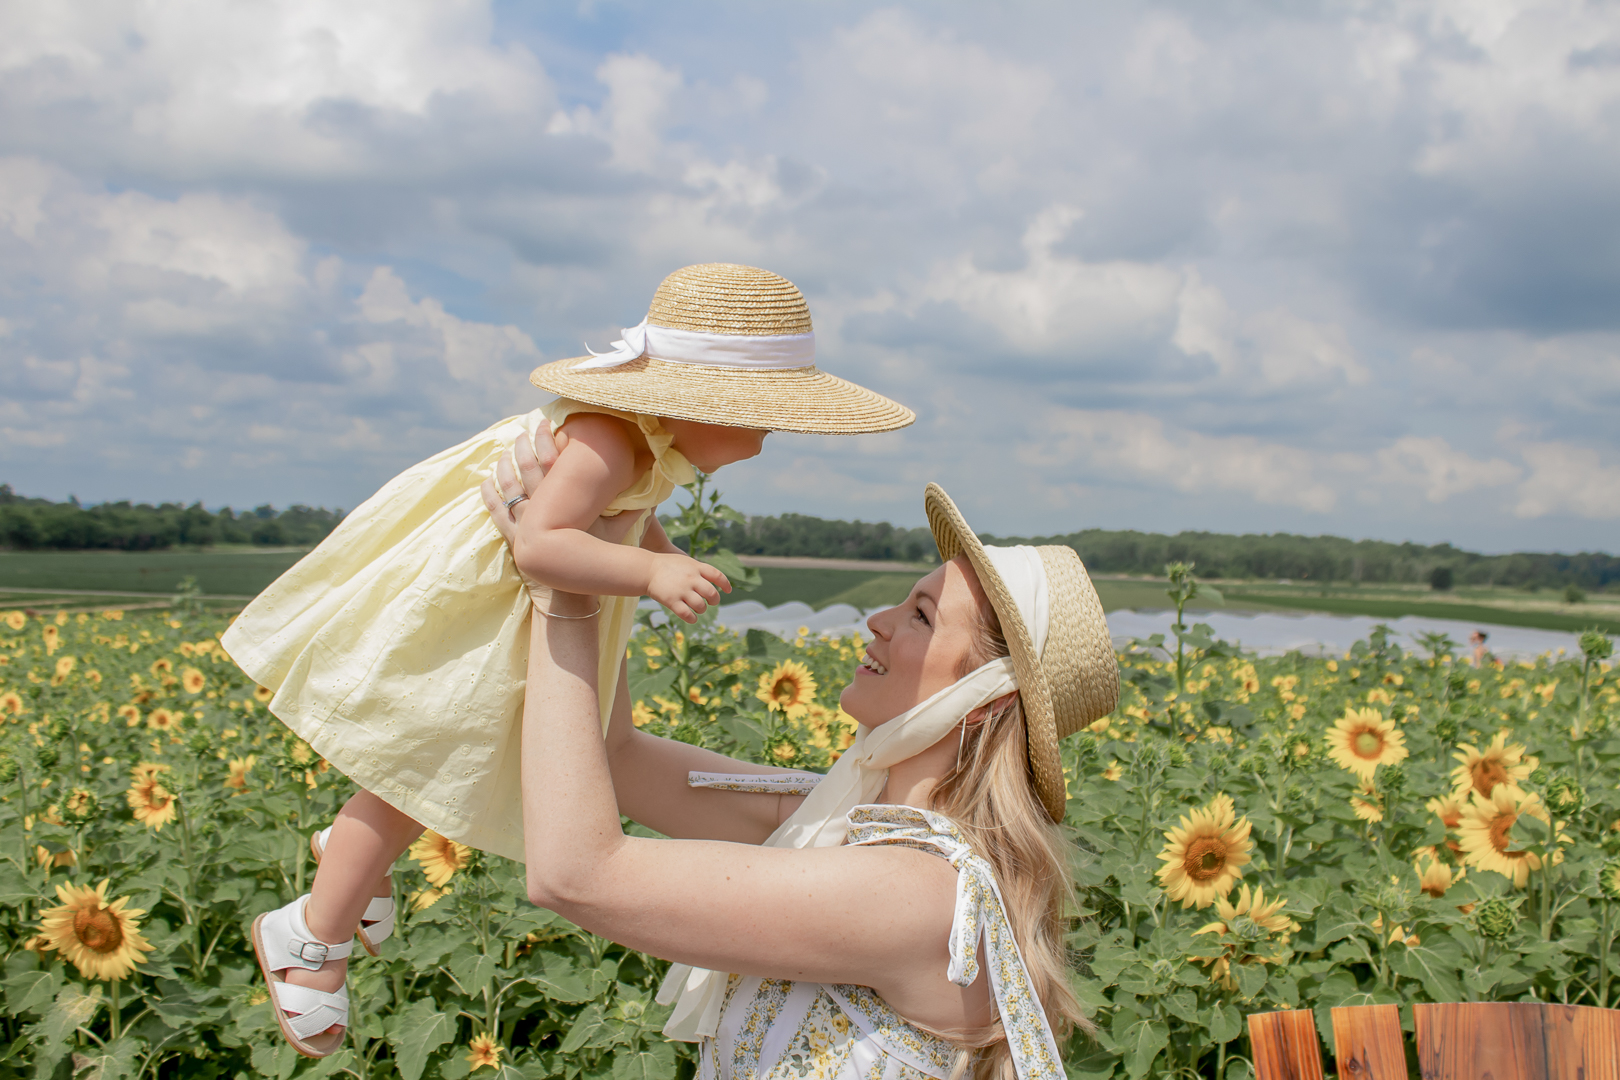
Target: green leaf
x=26 y=991
x=107 y=1063
x=654 y=1062
x=415 y=1032
x=72 y=1010
x=471 y=968
x=1251 y=979
x=342 y=1061
x=559 y=979
x=1225 y=1023
x=1143 y=1042
x=588 y=1027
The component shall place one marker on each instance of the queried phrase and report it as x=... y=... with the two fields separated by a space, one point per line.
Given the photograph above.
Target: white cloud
x=1566 y=479
x=1430 y=464
x=472 y=352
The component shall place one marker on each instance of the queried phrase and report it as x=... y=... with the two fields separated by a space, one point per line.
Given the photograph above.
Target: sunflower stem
x=1603 y=956
x=113 y=1012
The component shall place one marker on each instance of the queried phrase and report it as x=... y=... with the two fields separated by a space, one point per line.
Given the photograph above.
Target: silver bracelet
x=573 y=618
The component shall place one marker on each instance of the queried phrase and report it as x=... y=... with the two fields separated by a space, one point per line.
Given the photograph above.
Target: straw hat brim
x=954 y=537
x=804 y=399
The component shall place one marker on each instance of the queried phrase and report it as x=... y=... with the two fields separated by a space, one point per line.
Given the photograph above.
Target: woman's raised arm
x=874 y=916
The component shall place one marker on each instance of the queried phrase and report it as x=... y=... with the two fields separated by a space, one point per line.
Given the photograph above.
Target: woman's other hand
x=520 y=473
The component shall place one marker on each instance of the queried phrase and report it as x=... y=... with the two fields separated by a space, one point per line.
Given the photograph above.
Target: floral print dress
x=776 y=1029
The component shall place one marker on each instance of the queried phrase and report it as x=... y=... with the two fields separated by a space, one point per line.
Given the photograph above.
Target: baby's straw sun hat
x=1073 y=679
x=724 y=344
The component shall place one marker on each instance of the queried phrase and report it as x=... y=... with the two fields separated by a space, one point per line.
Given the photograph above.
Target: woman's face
x=917 y=648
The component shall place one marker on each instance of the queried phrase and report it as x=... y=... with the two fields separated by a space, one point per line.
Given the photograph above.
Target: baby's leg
x=367 y=837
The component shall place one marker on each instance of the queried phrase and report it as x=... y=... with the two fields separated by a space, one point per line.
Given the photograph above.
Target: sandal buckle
x=303 y=951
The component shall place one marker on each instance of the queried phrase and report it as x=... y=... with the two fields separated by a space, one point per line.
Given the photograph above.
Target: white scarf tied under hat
x=859 y=775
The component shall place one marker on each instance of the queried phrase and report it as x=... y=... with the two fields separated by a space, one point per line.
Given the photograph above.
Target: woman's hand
x=520 y=474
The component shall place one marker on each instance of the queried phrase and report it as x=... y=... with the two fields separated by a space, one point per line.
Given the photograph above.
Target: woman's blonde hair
x=991 y=796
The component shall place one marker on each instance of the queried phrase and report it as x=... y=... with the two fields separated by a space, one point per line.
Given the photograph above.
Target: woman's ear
x=994 y=708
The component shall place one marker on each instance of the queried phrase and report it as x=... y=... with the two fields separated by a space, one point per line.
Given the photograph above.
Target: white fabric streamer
x=759 y=353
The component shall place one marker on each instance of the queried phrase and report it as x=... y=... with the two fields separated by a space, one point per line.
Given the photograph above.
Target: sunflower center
x=1205 y=858
x=98 y=930
x=1368 y=745
x=1487 y=774
x=1501 y=829
x=786 y=691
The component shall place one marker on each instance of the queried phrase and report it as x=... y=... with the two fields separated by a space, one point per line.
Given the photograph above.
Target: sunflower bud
x=1445 y=729
x=81 y=805
x=1565 y=796
x=1609 y=879
x=8 y=769
x=55 y=729
x=1596 y=645
x=1495 y=918
x=1457 y=683
x=47 y=755
x=199 y=743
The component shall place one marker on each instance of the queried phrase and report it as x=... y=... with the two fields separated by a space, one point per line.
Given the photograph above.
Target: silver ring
x=514 y=500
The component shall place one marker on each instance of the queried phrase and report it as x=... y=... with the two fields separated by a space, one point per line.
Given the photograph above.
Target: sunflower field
x=1254 y=834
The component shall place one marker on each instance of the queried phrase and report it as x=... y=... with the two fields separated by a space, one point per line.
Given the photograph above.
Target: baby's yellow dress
x=399 y=647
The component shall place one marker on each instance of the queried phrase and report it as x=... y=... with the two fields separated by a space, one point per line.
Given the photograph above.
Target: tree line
x=1271 y=556
x=42 y=525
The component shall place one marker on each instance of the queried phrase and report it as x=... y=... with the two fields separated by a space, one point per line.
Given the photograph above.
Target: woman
x=852 y=947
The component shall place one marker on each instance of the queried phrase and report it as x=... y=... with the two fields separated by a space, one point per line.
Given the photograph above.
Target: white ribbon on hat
x=822 y=820
x=759 y=352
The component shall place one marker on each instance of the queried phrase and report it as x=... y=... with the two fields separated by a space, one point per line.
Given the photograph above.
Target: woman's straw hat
x=1075 y=679
x=725 y=344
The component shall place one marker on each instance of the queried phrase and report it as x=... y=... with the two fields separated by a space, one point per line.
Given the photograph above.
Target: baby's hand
x=685 y=586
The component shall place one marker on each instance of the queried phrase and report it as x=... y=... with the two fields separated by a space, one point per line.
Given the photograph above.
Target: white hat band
x=1024 y=574
x=746 y=351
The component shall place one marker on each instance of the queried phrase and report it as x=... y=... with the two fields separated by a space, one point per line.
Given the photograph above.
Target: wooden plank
x=1367 y=1043
x=1500 y=1040
x=1285 y=1045
x=1583 y=1043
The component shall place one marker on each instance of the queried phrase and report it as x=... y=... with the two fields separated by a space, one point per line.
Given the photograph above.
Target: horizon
x=1170 y=267
x=344 y=511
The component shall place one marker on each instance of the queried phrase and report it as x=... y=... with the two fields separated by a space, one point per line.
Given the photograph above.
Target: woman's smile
x=870 y=665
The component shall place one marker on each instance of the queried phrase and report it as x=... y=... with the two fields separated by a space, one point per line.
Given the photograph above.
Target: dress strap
x=980 y=914
x=789 y=783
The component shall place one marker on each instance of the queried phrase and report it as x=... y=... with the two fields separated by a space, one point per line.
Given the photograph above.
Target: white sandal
x=282 y=940
x=377 y=923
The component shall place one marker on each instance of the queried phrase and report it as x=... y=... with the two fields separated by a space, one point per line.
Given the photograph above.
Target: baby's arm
x=597 y=461
x=655 y=539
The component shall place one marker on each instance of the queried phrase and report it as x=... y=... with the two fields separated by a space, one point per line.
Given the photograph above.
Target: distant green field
x=1394 y=608
x=221 y=573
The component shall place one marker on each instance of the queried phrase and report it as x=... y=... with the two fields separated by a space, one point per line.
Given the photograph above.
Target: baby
x=398 y=648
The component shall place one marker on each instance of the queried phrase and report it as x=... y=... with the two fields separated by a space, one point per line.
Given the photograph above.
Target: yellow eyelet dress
x=398 y=648
x=776 y=1029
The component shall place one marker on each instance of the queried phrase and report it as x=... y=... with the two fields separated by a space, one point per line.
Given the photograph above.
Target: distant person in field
x=902 y=917
x=1482 y=655
x=398 y=648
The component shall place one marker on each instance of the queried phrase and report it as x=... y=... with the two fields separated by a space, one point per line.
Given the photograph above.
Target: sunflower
x=163 y=720
x=64 y=668
x=81 y=804
x=788 y=689
x=16 y=620
x=1449 y=809
x=239 y=769
x=11 y=703
x=98 y=938
x=1205 y=854
x=54 y=856
x=1367 y=804
x=146 y=771
x=192 y=681
x=483 y=1051
x=153 y=804
x=1362 y=739
x=440 y=857
x=161 y=666
x=1265 y=915
x=53 y=640
x=1483 y=770
x=1434 y=876
x=130 y=714
x=263 y=693
x=422 y=899
x=1113 y=772
x=1487 y=832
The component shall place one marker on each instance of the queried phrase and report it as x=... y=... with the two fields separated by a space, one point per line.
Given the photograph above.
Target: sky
x=1346 y=268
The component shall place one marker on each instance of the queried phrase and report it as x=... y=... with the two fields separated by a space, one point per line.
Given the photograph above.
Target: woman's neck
x=912 y=781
